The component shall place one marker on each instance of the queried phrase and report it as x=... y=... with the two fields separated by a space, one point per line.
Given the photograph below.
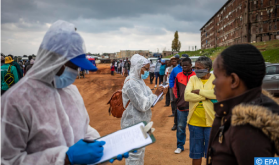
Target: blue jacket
x=173 y=75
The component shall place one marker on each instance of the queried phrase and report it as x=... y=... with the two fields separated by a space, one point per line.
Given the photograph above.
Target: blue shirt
x=173 y=75
x=162 y=70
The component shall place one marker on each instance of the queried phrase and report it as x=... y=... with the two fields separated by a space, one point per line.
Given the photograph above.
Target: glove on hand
x=85 y=153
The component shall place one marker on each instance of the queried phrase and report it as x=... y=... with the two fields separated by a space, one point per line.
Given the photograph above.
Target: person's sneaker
x=172 y=115
x=166 y=105
x=174 y=127
x=178 y=151
x=155 y=86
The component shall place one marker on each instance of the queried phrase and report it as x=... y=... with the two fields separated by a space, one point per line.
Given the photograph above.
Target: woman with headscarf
x=247 y=118
x=200 y=94
x=138 y=98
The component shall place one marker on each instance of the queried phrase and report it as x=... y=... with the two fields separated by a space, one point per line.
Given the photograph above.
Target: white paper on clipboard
x=158 y=98
x=123 y=141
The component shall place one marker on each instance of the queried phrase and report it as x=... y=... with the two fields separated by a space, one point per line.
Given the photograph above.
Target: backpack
x=9 y=77
x=116 y=104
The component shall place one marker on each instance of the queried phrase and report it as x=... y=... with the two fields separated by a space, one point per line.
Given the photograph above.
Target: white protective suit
x=39 y=122
x=141 y=99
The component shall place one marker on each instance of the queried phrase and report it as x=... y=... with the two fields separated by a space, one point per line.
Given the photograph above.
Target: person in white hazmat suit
x=141 y=99
x=43 y=117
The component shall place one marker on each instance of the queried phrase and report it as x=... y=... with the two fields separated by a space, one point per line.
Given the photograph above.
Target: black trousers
x=161 y=79
x=112 y=73
x=120 y=70
x=151 y=75
x=168 y=98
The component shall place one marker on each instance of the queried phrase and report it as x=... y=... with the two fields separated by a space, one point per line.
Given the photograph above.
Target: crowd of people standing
x=121 y=67
x=12 y=71
x=217 y=109
x=231 y=119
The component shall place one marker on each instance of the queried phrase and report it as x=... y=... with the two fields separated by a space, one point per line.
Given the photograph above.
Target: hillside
x=270 y=51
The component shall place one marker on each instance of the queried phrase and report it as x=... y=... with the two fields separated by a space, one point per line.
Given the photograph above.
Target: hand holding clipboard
x=163 y=89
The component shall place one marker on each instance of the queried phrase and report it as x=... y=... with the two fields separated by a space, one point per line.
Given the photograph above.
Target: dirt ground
x=96 y=90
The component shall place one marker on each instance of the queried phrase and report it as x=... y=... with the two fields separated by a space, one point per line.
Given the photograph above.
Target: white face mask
x=67 y=78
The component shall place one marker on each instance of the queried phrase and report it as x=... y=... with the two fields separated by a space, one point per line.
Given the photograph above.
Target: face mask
x=201 y=72
x=145 y=75
x=67 y=78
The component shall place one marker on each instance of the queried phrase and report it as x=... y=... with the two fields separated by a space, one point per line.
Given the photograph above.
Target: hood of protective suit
x=137 y=62
x=60 y=44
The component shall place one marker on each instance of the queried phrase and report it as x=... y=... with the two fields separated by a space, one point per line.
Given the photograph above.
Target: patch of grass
x=269 y=49
x=271 y=55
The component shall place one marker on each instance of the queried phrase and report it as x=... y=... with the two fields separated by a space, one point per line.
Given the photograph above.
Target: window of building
x=270 y=2
x=275 y=27
x=261 y=3
x=269 y=26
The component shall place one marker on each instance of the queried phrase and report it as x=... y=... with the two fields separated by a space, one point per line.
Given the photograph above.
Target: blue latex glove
x=85 y=153
x=119 y=157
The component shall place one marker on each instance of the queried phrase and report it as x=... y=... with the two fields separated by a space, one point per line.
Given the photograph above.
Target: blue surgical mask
x=145 y=75
x=67 y=78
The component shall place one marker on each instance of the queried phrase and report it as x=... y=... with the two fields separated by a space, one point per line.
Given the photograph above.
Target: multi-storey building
x=242 y=21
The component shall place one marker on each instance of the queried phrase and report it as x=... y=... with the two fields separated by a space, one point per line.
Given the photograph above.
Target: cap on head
x=83 y=63
x=177 y=56
x=163 y=61
x=185 y=55
x=8 y=60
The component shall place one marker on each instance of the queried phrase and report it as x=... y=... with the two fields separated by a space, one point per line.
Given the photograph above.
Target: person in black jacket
x=246 y=122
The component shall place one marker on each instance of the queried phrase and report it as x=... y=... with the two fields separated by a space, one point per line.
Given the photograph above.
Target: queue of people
x=219 y=111
x=230 y=118
x=121 y=67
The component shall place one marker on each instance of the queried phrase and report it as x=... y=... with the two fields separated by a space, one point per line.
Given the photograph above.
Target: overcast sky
x=106 y=25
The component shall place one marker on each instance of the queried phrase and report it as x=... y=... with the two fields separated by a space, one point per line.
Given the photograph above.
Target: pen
x=88 y=141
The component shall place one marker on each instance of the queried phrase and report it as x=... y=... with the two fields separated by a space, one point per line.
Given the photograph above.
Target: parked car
x=271 y=78
x=154 y=60
x=194 y=59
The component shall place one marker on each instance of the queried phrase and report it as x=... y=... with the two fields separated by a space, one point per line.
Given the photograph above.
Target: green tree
x=176 y=45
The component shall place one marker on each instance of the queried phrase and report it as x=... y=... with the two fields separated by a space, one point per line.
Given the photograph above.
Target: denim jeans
x=181 y=128
x=156 y=77
x=199 y=137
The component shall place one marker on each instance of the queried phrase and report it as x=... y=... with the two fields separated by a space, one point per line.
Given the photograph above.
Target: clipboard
x=138 y=129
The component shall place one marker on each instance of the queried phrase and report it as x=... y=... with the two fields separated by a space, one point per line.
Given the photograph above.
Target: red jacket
x=180 y=83
x=112 y=68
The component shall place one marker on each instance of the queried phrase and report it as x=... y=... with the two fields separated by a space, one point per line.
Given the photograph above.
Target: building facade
x=168 y=53
x=130 y=53
x=242 y=21
x=109 y=55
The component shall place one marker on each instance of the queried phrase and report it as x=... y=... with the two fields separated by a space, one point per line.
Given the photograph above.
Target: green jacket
x=4 y=69
x=19 y=70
